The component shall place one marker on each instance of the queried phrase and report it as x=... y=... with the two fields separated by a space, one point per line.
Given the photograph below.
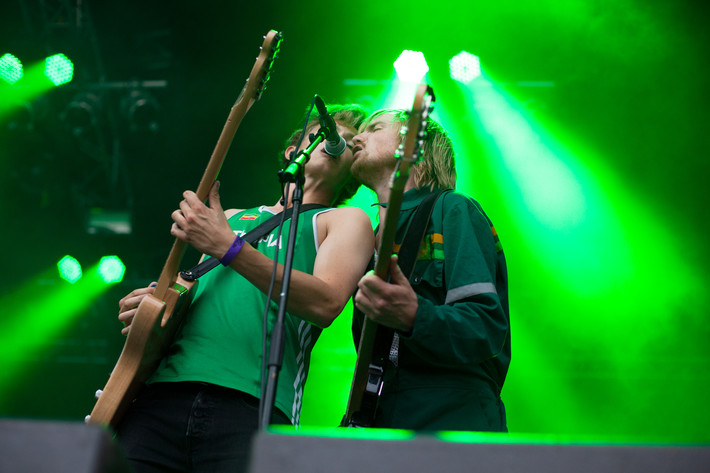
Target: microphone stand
x=293 y=173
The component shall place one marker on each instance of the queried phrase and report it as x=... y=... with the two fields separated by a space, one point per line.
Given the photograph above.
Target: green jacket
x=451 y=367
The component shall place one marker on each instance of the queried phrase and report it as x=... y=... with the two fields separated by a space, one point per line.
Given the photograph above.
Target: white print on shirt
x=269 y=240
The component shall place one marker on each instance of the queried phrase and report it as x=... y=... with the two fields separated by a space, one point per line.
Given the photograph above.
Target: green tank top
x=221 y=341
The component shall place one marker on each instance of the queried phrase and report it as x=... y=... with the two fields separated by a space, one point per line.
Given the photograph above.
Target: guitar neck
x=389 y=229
x=250 y=93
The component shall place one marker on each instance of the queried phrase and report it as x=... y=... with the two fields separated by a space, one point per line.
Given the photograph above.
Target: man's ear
x=290 y=153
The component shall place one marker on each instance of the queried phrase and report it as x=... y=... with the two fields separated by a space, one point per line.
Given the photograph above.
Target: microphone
x=334 y=143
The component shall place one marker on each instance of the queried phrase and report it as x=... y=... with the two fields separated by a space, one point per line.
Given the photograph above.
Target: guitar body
x=153 y=328
x=160 y=314
x=373 y=351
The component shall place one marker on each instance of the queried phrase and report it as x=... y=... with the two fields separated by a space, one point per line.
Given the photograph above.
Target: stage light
x=464 y=67
x=81 y=113
x=411 y=66
x=59 y=69
x=10 y=68
x=140 y=109
x=69 y=269
x=111 y=269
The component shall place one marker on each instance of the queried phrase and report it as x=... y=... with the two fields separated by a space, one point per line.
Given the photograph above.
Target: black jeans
x=190 y=427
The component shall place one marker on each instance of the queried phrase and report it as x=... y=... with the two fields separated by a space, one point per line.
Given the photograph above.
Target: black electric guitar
x=369 y=369
x=161 y=313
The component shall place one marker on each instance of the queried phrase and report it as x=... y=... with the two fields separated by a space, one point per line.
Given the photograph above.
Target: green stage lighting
x=411 y=66
x=59 y=69
x=464 y=67
x=10 y=68
x=69 y=269
x=111 y=269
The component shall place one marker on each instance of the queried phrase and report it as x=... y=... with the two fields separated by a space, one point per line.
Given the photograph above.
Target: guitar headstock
x=260 y=73
x=415 y=129
x=410 y=150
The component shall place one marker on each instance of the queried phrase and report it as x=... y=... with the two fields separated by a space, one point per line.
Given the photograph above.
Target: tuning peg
x=86 y=419
x=399 y=152
x=98 y=393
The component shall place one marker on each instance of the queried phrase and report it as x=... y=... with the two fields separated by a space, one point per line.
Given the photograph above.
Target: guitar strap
x=412 y=241
x=382 y=346
x=252 y=236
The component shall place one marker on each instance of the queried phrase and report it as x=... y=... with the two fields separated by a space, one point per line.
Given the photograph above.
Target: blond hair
x=437 y=166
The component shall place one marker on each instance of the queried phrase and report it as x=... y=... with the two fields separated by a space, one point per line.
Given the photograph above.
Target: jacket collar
x=413 y=197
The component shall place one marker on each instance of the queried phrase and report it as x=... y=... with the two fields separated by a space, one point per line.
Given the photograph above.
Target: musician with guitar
x=450 y=352
x=201 y=407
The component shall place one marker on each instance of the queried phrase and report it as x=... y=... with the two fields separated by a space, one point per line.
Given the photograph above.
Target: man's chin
x=356 y=169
